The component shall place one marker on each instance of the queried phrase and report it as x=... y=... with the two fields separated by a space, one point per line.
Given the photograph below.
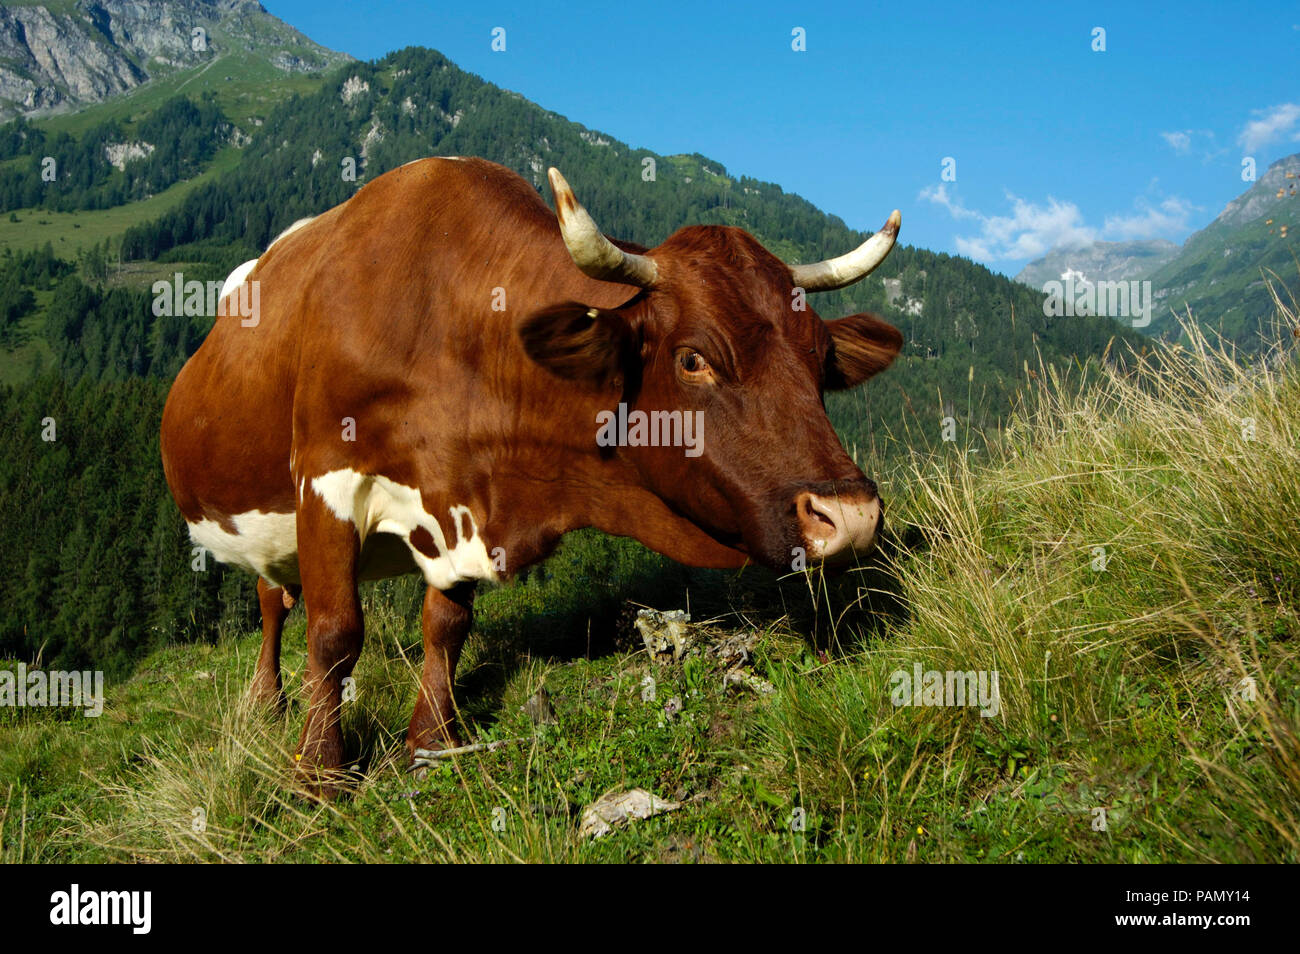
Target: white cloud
x=1151 y=221
x=939 y=196
x=1186 y=142
x=1032 y=229
x=1269 y=125
x=1028 y=232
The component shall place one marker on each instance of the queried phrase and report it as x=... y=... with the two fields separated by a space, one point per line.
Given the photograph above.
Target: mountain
x=1220 y=272
x=219 y=195
x=1099 y=261
x=968 y=332
x=962 y=323
x=60 y=56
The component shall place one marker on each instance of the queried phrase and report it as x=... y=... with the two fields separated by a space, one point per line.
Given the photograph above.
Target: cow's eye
x=692 y=364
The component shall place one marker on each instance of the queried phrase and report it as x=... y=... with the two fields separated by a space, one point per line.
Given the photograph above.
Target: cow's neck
x=591 y=490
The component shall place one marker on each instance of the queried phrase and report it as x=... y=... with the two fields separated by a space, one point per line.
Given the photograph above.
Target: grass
x=29 y=349
x=246 y=85
x=19 y=363
x=1154 y=678
x=1125 y=557
x=70 y=232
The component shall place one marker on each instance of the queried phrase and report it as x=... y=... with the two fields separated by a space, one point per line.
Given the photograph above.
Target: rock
x=60 y=56
x=743 y=679
x=539 y=708
x=664 y=632
x=734 y=649
x=353 y=87
x=618 y=808
x=734 y=652
x=120 y=153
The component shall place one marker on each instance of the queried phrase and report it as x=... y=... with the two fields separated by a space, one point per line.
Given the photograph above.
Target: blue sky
x=1053 y=142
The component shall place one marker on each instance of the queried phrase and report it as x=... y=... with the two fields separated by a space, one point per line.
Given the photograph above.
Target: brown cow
x=444 y=376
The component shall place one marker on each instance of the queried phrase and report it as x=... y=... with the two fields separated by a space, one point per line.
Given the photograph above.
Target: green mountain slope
x=1222 y=271
x=252 y=62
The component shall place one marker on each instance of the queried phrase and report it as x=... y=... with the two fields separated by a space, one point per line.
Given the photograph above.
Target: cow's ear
x=577 y=342
x=862 y=345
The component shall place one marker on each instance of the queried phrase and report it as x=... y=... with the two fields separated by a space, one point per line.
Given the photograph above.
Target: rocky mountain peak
x=61 y=56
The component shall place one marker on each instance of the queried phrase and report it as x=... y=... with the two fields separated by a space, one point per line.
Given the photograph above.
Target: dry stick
x=425 y=756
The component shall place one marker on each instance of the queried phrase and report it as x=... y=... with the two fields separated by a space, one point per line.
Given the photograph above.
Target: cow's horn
x=596 y=255
x=837 y=272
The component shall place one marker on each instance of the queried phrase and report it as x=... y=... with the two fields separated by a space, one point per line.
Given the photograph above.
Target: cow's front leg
x=327 y=560
x=447 y=617
x=275 y=603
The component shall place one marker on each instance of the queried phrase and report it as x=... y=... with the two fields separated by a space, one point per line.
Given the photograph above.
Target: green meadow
x=1124 y=556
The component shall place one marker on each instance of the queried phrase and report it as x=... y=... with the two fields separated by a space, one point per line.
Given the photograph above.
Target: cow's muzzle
x=837 y=527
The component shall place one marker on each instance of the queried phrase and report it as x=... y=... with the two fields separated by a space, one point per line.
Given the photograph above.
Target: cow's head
x=721 y=331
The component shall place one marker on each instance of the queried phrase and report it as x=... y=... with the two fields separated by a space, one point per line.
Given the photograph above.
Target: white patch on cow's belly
x=377 y=505
x=266 y=543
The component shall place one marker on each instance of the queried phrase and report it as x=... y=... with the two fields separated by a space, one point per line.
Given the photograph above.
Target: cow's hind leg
x=446 y=618
x=327 y=561
x=275 y=602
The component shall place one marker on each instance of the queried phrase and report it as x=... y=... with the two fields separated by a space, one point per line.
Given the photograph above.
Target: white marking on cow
x=266 y=543
x=427 y=158
x=237 y=277
x=375 y=504
x=290 y=230
x=241 y=273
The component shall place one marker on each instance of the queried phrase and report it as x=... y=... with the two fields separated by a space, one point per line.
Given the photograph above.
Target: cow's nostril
x=812 y=512
x=817 y=522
